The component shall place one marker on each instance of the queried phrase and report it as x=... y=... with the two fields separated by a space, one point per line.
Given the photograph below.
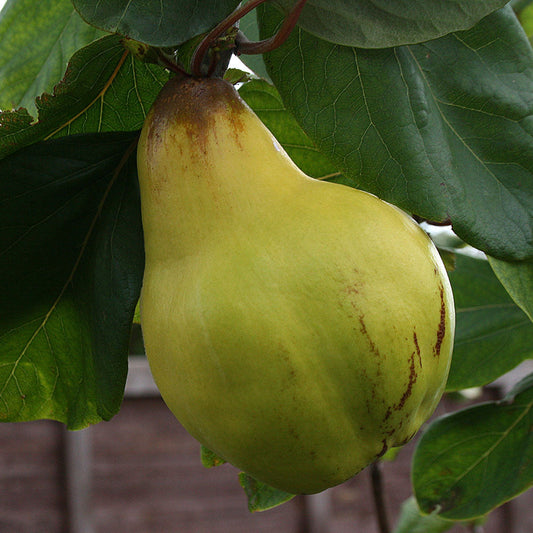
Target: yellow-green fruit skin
x=295 y=327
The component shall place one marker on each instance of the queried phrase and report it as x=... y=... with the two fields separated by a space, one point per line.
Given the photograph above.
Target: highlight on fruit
x=297 y=328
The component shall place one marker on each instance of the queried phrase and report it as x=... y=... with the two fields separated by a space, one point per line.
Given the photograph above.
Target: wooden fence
x=141 y=473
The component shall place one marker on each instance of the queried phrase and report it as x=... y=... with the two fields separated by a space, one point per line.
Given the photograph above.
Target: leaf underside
x=378 y=24
x=156 y=22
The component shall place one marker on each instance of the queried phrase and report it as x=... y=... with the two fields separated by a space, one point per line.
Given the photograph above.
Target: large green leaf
x=104 y=89
x=441 y=129
x=470 y=462
x=36 y=41
x=156 y=22
x=493 y=335
x=382 y=24
x=71 y=263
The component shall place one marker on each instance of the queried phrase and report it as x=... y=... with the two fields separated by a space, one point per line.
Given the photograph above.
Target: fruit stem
x=242 y=45
x=378 y=494
x=216 y=32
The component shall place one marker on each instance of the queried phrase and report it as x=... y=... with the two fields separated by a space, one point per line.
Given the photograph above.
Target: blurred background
x=141 y=473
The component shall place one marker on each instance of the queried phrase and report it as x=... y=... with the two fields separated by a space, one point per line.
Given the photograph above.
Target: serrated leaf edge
x=98 y=97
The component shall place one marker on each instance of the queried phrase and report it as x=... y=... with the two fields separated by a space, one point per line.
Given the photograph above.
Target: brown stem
x=243 y=46
x=378 y=494
x=266 y=45
x=216 y=32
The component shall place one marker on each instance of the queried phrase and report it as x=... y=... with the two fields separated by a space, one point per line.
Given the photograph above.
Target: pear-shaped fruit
x=296 y=328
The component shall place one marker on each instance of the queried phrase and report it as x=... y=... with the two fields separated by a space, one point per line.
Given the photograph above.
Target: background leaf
x=411 y=521
x=36 y=41
x=493 y=335
x=104 y=89
x=156 y=22
x=441 y=129
x=71 y=263
x=470 y=462
x=210 y=459
x=517 y=278
x=378 y=24
x=262 y=497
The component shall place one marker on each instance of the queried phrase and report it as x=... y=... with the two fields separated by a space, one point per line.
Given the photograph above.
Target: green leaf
x=210 y=459
x=517 y=278
x=104 y=89
x=266 y=103
x=493 y=335
x=156 y=22
x=474 y=460
x=71 y=263
x=378 y=24
x=262 y=497
x=441 y=129
x=412 y=521
x=36 y=41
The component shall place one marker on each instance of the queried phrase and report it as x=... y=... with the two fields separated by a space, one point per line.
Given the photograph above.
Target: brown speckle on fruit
x=412 y=380
x=417 y=348
x=441 y=331
x=371 y=343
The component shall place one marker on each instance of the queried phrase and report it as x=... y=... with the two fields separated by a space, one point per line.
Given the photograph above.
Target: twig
x=242 y=45
x=167 y=63
x=378 y=494
x=216 y=32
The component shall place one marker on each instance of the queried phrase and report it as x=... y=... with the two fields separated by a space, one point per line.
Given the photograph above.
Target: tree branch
x=379 y=497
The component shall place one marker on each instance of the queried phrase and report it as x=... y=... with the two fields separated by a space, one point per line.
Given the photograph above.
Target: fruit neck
x=208 y=167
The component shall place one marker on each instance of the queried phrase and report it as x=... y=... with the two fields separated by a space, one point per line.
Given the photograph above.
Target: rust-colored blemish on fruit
x=354 y=287
x=441 y=331
x=413 y=376
x=407 y=439
x=362 y=329
x=384 y=449
x=412 y=380
x=396 y=427
x=351 y=290
x=417 y=348
x=193 y=104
